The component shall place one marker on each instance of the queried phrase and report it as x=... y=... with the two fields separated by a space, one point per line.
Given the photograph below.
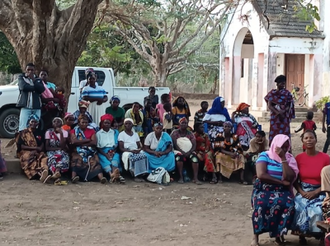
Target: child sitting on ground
x=307 y=124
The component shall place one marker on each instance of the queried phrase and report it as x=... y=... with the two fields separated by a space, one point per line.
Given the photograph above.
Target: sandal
x=197 y=182
x=75 y=179
x=114 y=175
x=103 y=180
x=47 y=178
x=56 y=175
x=243 y=182
x=59 y=182
x=121 y=180
x=214 y=180
x=43 y=175
x=180 y=181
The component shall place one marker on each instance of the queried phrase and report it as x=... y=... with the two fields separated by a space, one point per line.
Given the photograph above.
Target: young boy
x=326 y=128
x=167 y=118
x=307 y=124
x=199 y=115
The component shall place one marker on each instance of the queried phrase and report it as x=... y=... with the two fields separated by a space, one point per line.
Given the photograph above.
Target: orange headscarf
x=242 y=106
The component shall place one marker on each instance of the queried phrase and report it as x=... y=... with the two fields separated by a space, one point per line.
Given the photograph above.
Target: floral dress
x=57 y=159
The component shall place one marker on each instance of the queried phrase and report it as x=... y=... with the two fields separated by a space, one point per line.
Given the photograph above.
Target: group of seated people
x=158 y=135
x=141 y=140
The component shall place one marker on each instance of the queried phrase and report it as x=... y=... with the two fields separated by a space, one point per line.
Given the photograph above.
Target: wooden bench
x=323 y=226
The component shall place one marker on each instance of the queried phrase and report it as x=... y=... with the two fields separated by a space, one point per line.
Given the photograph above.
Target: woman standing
x=308 y=200
x=133 y=157
x=158 y=147
x=204 y=151
x=215 y=117
x=30 y=146
x=56 y=146
x=281 y=105
x=107 y=143
x=85 y=163
x=96 y=95
x=228 y=154
x=272 y=197
x=246 y=124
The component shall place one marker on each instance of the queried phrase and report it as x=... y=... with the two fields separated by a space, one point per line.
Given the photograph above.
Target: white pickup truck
x=9 y=114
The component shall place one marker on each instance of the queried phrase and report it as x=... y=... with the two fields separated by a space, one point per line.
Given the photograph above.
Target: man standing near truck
x=29 y=99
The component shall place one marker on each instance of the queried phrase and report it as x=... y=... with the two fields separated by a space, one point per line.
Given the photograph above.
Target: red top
x=309 y=125
x=88 y=133
x=310 y=167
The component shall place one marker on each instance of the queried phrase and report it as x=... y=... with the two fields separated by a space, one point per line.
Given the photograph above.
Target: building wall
x=324 y=26
x=232 y=49
x=266 y=59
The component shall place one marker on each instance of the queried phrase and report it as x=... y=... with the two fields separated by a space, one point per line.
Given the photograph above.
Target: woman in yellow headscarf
x=246 y=125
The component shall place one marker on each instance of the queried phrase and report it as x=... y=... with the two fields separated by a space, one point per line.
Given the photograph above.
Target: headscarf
x=115 y=98
x=228 y=123
x=218 y=109
x=183 y=119
x=32 y=117
x=83 y=104
x=58 y=118
x=278 y=141
x=106 y=117
x=185 y=105
x=67 y=115
x=242 y=106
x=128 y=119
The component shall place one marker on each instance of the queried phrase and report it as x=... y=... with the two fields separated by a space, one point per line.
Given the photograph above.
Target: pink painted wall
x=260 y=75
x=236 y=79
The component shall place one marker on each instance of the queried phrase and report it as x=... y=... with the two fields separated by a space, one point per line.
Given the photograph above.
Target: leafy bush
x=320 y=103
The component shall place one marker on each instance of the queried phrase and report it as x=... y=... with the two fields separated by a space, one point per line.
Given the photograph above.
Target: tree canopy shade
x=49 y=37
x=159 y=33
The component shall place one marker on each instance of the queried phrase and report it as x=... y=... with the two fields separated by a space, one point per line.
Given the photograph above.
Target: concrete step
x=300 y=116
x=297 y=119
x=13 y=166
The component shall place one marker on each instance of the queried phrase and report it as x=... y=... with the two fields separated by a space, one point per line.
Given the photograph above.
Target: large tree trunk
x=159 y=70
x=42 y=34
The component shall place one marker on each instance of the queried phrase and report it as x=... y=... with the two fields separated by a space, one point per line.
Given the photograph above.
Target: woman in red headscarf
x=107 y=143
x=246 y=125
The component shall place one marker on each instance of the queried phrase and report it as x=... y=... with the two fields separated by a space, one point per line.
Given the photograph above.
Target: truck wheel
x=9 y=122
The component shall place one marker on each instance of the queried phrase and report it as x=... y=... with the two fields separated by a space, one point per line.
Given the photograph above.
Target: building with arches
x=263 y=39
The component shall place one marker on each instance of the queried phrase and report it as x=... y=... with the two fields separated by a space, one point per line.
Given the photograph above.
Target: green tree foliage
x=105 y=48
x=160 y=32
x=8 y=58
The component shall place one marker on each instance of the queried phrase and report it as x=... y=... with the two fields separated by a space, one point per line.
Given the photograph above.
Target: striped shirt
x=97 y=92
x=274 y=168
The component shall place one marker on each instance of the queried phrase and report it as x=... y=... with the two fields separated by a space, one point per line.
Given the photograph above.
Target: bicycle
x=298 y=98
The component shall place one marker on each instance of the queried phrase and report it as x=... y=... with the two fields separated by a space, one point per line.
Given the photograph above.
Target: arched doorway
x=243 y=55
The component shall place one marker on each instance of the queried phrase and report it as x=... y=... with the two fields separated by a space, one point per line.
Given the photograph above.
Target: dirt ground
x=131 y=214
